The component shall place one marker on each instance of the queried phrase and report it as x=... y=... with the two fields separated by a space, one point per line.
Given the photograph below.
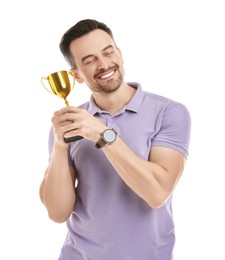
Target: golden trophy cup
x=61 y=84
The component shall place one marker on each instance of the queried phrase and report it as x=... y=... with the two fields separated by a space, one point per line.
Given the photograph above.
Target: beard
x=110 y=85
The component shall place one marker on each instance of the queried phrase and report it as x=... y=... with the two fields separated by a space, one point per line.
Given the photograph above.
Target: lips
x=107 y=75
x=102 y=75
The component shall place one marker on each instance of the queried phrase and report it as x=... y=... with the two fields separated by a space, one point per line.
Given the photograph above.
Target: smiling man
x=113 y=187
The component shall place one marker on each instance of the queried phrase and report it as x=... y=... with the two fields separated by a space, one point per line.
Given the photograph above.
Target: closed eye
x=108 y=51
x=89 y=60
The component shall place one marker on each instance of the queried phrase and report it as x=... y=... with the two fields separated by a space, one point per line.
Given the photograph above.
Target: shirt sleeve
x=174 y=128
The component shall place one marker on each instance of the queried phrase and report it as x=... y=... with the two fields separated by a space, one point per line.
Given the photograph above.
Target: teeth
x=107 y=75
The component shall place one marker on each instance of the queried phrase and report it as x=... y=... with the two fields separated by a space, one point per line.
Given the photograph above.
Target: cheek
x=88 y=76
x=119 y=60
x=86 y=72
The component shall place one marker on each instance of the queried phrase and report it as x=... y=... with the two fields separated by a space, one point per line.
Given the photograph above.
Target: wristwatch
x=107 y=137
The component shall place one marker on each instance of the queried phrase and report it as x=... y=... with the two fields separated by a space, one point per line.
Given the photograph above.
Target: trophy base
x=73 y=138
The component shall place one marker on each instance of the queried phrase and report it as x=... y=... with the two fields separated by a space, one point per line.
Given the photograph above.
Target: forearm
x=58 y=191
x=145 y=178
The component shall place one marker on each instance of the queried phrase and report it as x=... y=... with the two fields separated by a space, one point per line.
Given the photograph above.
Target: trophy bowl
x=59 y=83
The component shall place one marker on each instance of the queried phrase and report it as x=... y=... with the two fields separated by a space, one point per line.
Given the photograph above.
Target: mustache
x=103 y=71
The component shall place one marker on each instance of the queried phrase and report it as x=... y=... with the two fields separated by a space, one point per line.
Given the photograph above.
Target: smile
x=107 y=75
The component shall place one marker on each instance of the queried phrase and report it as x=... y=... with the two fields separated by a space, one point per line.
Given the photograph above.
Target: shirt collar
x=134 y=104
x=136 y=101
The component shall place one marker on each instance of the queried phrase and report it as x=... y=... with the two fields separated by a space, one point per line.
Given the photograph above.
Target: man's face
x=99 y=62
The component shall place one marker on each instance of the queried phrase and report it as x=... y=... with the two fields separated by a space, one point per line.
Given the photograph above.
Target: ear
x=77 y=75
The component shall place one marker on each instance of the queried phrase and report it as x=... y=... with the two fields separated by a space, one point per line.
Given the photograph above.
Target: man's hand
x=72 y=121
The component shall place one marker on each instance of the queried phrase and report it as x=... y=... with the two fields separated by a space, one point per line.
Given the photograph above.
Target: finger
x=72 y=133
x=63 y=119
x=70 y=127
x=68 y=109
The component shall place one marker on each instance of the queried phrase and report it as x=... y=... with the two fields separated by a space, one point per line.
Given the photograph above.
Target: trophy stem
x=66 y=102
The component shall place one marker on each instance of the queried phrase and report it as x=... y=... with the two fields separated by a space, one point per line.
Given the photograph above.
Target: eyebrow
x=91 y=55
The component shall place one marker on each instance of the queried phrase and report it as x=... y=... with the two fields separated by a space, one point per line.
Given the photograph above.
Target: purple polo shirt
x=110 y=221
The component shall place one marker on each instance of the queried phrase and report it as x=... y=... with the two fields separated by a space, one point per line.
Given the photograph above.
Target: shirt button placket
x=110 y=123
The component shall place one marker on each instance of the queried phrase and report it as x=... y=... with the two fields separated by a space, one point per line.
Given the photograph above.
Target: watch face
x=109 y=135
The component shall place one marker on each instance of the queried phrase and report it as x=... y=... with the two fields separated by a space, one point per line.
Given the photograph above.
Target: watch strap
x=100 y=144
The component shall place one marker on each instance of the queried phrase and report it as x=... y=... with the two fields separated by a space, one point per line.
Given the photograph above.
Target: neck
x=115 y=101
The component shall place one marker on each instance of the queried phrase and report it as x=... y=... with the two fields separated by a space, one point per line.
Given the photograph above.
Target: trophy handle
x=70 y=75
x=43 y=80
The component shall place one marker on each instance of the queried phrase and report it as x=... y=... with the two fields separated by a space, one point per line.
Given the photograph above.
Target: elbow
x=60 y=214
x=157 y=202
x=156 y=205
x=59 y=218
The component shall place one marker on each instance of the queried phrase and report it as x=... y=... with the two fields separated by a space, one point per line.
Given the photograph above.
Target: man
x=113 y=187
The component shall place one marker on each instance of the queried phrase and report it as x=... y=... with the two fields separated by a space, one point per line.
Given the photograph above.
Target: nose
x=103 y=63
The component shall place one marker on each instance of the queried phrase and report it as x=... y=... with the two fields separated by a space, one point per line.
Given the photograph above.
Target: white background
x=173 y=48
